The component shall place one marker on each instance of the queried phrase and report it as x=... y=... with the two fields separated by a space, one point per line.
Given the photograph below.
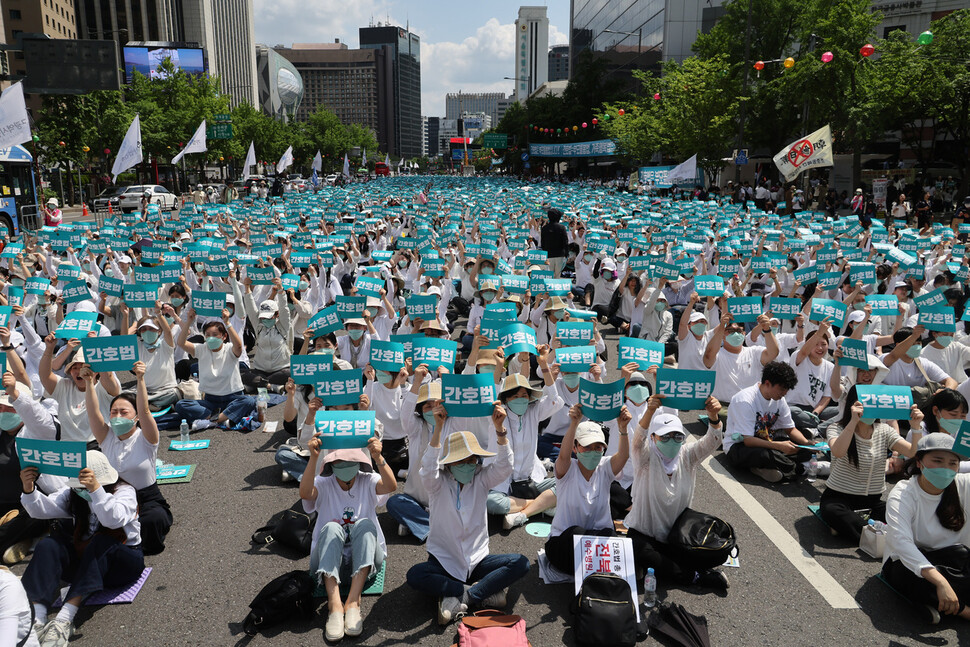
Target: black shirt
x=555 y=240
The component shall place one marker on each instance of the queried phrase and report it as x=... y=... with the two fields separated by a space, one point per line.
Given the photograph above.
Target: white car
x=130 y=200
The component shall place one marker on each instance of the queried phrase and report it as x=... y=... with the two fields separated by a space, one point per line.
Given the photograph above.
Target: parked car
x=130 y=200
x=332 y=178
x=109 y=196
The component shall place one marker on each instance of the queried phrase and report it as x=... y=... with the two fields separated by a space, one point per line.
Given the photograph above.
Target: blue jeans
x=547 y=446
x=407 y=511
x=327 y=559
x=493 y=574
x=293 y=463
x=236 y=406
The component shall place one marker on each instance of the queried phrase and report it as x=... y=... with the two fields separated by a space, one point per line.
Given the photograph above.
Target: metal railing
x=29 y=218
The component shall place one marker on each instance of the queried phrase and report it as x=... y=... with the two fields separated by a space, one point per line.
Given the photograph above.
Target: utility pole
x=744 y=89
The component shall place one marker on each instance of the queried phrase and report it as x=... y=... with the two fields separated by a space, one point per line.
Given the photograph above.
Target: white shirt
x=691 y=355
x=813 y=382
x=72 y=410
x=459 y=526
x=386 y=403
x=736 y=371
x=14 y=612
x=345 y=507
x=117 y=510
x=914 y=526
x=751 y=414
x=159 y=366
x=218 y=370
x=524 y=435
x=953 y=359
x=903 y=373
x=583 y=503
x=133 y=457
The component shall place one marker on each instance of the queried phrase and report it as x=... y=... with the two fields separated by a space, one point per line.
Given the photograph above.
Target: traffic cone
x=84 y=209
x=110 y=212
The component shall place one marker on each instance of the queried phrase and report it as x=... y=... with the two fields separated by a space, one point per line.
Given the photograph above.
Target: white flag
x=250 y=159
x=685 y=171
x=363 y=161
x=14 y=121
x=285 y=161
x=346 y=166
x=195 y=145
x=811 y=151
x=387 y=159
x=317 y=162
x=130 y=153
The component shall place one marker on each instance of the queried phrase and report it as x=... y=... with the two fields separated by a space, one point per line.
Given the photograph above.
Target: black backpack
x=700 y=540
x=605 y=612
x=288 y=595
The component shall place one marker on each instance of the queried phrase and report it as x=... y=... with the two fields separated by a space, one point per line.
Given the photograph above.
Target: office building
x=54 y=18
x=447 y=130
x=433 y=145
x=559 y=63
x=913 y=16
x=531 y=51
x=354 y=84
x=424 y=136
x=404 y=51
x=280 y=84
x=493 y=104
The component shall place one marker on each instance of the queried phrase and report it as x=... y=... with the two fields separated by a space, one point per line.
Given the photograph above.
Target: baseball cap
x=666 y=424
x=589 y=432
x=268 y=309
x=937 y=441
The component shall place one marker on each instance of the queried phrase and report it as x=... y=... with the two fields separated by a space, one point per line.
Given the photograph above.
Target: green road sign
x=219 y=131
x=222 y=119
x=495 y=140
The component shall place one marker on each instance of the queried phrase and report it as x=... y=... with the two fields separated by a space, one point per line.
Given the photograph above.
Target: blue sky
x=465 y=45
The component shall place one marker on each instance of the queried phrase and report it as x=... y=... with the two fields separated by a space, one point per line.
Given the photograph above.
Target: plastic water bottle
x=812 y=469
x=878 y=527
x=184 y=431
x=650 y=589
x=262 y=400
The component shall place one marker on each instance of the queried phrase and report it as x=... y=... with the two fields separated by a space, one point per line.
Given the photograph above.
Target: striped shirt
x=869 y=476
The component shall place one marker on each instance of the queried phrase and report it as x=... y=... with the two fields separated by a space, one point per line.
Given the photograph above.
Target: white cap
x=697 y=316
x=103 y=472
x=666 y=423
x=268 y=309
x=589 y=432
x=856 y=316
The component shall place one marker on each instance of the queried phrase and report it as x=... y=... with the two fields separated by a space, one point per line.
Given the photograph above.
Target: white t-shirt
x=903 y=373
x=734 y=372
x=691 y=351
x=583 y=503
x=953 y=359
x=751 y=414
x=813 y=382
x=14 y=612
x=345 y=508
x=72 y=410
x=133 y=457
x=159 y=366
x=218 y=370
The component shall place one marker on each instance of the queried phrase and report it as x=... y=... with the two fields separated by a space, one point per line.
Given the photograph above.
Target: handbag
x=288 y=595
x=872 y=543
x=606 y=613
x=490 y=628
x=294 y=530
x=524 y=489
x=701 y=541
x=922 y=394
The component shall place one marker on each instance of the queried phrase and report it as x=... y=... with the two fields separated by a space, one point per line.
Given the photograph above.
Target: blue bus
x=18 y=192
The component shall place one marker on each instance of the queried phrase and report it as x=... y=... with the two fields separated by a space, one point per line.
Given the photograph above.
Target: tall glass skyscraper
x=405 y=48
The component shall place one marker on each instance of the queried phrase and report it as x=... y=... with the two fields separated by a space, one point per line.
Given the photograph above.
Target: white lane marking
x=801 y=559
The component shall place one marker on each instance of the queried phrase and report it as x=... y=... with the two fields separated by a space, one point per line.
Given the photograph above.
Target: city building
x=494 y=104
x=280 y=84
x=474 y=124
x=354 y=84
x=447 y=130
x=559 y=63
x=913 y=16
x=404 y=50
x=433 y=145
x=54 y=18
x=531 y=51
x=424 y=136
x=550 y=89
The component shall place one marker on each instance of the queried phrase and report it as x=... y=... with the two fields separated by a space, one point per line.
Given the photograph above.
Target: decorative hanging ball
x=585 y=124
x=606 y=117
x=575 y=128
x=925 y=38
x=867 y=50
x=61 y=144
x=789 y=63
x=656 y=96
x=85 y=148
x=827 y=57
x=759 y=65
x=35 y=139
x=620 y=112
x=107 y=151
x=595 y=121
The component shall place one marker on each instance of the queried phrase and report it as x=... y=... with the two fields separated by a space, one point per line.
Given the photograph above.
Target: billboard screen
x=65 y=66
x=146 y=59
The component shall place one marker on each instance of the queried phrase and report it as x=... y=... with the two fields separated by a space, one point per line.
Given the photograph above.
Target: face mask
x=463 y=472
x=859 y=305
x=83 y=493
x=637 y=393
x=486 y=270
x=428 y=417
x=698 y=329
x=402 y=264
x=169 y=319
x=405 y=294
x=669 y=448
x=345 y=471
x=177 y=301
x=950 y=425
x=659 y=306
x=621 y=259
x=944 y=340
x=571 y=380
x=557 y=314
x=609 y=275
x=268 y=323
x=590 y=459
x=774 y=330
x=769 y=283
x=323 y=351
x=121 y=426
x=939 y=477
x=914 y=351
x=108 y=272
x=867 y=421
x=149 y=337
x=86 y=267
x=304 y=286
x=384 y=377
x=868 y=328
x=518 y=406
x=735 y=339
x=355 y=334
x=486 y=368
x=9 y=420
x=213 y=342
x=588 y=257
x=488 y=295
x=199 y=267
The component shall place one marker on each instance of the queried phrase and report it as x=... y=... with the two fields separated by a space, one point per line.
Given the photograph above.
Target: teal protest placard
x=709 y=285
x=828 y=308
x=147 y=275
x=575 y=333
x=5 y=313
x=386 y=355
x=601 y=402
x=55 y=457
x=369 y=286
x=140 y=296
x=855 y=353
x=37 y=285
x=170 y=273
x=208 y=304
x=515 y=283
x=645 y=353
x=938 y=318
x=344 y=429
x=886 y=402
x=75 y=292
x=883 y=304
x=65 y=271
x=76 y=325
x=581 y=315
x=433 y=267
x=290 y=282
x=325 y=322
x=829 y=280
x=15 y=295
x=114 y=353
x=784 y=308
x=306 y=369
x=685 y=389
x=422 y=306
x=575 y=359
x=351 y=307
x=188 y=445
x=517 y=338
x=218 y=268
x=434 y=352
x=555 y=287
x=469 y=396
x=11 y=250
x=961 y=444
x=745 y=309
x=339 y=387
x=806 y=275
x=110 y=286
x=930 y=299
x=261 y=275
x=865 y=272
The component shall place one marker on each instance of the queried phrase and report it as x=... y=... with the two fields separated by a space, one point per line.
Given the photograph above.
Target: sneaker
x=495 y=601
x=402 y=530
x=39 y=630
x=334 y=630
x=450 y=609
x=286 y=477
x=929 y=614
x=548 y=464
x=57 y=633
x=769 y=474
x=402 y=474
x=17 y=552
x=712 y=579
x=515 y=519
x=202 y=423
x=353 y=624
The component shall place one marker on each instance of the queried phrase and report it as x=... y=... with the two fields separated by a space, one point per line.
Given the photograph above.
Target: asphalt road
x=200 y=588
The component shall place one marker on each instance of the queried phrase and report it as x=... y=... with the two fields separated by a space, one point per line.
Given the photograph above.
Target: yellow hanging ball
x=789 y=63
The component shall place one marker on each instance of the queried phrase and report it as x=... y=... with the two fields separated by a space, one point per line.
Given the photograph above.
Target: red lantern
x=585 y=124
x=656 y=96
x=61 y=144
x=867 y=50
x=595 y=121
x=759 y=65
x=107 y=151
x=620 y=112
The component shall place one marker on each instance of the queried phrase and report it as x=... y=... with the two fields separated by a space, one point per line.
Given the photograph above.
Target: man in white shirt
x=735 y=365
x=811 y=398
x=902 y=362
x=760 y=434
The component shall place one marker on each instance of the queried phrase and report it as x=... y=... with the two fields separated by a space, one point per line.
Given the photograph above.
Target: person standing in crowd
x=555 y=240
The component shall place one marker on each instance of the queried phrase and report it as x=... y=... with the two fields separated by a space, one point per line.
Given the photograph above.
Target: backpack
x=288 y=595
x=605 y=612
x=292 y=528
x=490 y=628
x=701 y=541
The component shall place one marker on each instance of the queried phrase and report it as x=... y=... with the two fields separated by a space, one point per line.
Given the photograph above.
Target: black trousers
x=653 y=553
x=559 y=550
x=620 y=500
x=155 y=518
x=395 y=452
x=254 y=379
x=838 y=509
x=952 y=562
x=743 y=457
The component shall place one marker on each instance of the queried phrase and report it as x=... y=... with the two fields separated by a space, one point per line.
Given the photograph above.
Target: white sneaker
x=334 y=630
x=450 y=609
x=495 y=601
x=402 y=530
x=514 y=519
x=286 y=477
x=402 y=474
x=353 y=623
x=202 y=423
x=57 y=633
x=767 y=473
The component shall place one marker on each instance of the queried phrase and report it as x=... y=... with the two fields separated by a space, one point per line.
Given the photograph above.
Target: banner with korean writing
x=553 y=287
x=344 y=429
x=75 y=292
x=828 y=309
x=709 y=286
x=56 y=457
x=114 y=353
x=938 y=318
x=15 y=295
x=855 y=353
x=601 y=402
x=422 y=306
x=369 y=286
x=784 y=308
x=575 y=333
x=612 y=555
x=645 y=353
x=469 y=396
x=829 y=280
x=306 y=369
x=865 y=272
x=339 y=387
x=76 y=325
x=140 y=296
x=517 y=338
x=885 y=402
x=37 y=285
x=515 y=283
x=5 y=313
x=745 y=309
x=883 y=304
x=208 y=304
x=261 y=275
x=351 y=307
x=930 y=299
x=386 y=355
x=434 y=353
x=325 y=322
x=961 y=444
x=575 y=359
x=685 y=389
x=806 y=275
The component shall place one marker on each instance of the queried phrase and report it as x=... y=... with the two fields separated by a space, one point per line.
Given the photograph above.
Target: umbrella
x=682 y=627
